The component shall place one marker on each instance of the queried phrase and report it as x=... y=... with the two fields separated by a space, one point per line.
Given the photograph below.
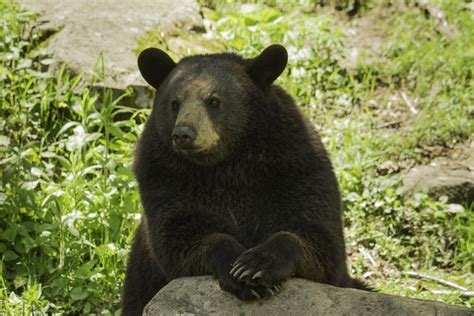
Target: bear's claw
x=245 y=273
x=257 y=275
x=254 y=293
x=236 y=266
x=237 y=273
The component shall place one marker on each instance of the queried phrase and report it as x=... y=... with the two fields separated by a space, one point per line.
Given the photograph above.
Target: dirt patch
x=365 y=37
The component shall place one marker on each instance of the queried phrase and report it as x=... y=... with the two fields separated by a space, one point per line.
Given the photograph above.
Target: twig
x=447 y=292
x=438 y=280
x=408 y=103
x=366 y=253
x=390 y=124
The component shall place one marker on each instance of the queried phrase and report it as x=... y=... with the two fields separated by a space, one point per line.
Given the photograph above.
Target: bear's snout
x=183 y=136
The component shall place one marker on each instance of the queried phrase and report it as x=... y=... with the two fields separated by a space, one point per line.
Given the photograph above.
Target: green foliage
x=438 y=69
x=350 y=7
x=69 y=204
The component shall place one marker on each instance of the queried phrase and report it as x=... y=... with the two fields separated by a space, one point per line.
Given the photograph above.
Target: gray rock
x=202 y=296
x=111 y=27
x=454 y=179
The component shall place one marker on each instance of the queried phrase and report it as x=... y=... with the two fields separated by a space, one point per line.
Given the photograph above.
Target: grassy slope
x=69 y=203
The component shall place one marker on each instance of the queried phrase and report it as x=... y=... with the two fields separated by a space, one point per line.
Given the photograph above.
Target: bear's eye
x=175 y=104
x=214 y=102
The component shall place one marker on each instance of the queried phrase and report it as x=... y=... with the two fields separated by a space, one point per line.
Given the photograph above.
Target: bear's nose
x=184 y=136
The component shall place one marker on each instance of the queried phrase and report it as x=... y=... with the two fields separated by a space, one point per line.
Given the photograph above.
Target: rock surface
x=202 y=296
x=454 y=179
x=111 y=27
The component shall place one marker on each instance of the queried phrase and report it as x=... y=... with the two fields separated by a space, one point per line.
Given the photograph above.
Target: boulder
x=85 y=30
x=443 y=177
x=203 y=296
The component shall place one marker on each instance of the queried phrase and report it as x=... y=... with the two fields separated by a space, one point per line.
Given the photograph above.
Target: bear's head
x=205 y=104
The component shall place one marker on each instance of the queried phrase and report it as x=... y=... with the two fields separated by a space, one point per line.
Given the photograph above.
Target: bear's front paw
x=264 y=265
x=245 y=291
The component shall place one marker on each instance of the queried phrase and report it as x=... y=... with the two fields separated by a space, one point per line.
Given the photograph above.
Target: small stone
x=455 y=208
x=387 y=167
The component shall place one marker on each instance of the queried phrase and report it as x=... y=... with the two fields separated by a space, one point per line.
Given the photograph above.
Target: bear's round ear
x=155 y=65
x=267 y=66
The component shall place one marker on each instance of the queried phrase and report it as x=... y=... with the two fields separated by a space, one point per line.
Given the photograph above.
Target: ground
x=69 y=204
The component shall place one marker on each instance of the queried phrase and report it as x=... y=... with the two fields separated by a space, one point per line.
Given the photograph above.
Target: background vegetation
x=69 y=203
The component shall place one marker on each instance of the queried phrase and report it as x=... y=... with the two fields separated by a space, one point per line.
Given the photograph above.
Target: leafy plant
x=69 y=203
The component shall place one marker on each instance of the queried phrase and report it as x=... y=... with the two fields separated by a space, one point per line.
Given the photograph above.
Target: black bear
x=233 y=180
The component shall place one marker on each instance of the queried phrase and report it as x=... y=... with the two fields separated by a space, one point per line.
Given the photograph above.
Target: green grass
x=436 y=70
x=69 y=203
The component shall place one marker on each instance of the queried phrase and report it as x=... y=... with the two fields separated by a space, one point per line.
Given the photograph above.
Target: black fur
x=265 y=199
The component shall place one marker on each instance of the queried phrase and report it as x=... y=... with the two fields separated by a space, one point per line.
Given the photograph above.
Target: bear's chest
x=243 y=208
